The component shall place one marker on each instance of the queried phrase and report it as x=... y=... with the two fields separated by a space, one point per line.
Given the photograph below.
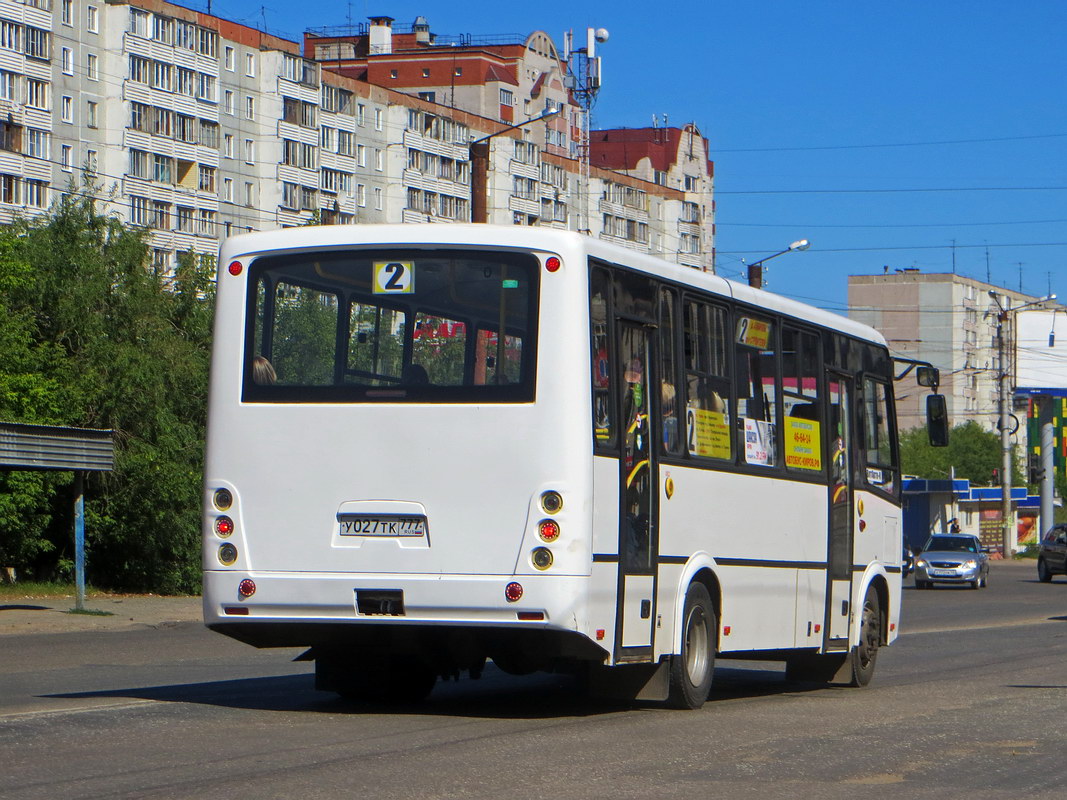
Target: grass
x=92 y=612
x=41 y=589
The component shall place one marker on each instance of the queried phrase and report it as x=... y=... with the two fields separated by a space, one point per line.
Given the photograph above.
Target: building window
x=91 y=161
x=250 y=65
x=66 y=155
x=67 y=14
x=361 y=155
x=206 y=225
x=429 y=97
x=9 y=86
x=66 y=108
x=250 y=108
x=361 y=114
x=185 y=219
x=37 y=93
x=92 y=19
x=10 y=186
x=250 y=151
x=90 y=113
x=160 y=218
x=344 y=143
x=139 y=210
x=377 y=119
x=207 y=178
x=459 y=71
x=230 y=58
x=227 y=101
x=378 y=198
x=38 y=43
x=379 y=160
x=361 y=195
x=67 y=60
x=227 y=145
x=507 y=97
x=37 y=143
x=92 y=71
x=227 y=189
x=392 y=73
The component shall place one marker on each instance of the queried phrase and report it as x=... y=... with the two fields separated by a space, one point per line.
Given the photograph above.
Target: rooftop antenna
x=953 y=256
x=1020 y=263
x=988 y=279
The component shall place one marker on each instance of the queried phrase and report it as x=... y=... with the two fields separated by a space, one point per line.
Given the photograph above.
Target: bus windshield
x=374 y=325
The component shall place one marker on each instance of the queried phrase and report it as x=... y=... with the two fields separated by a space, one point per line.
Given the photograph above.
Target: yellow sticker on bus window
x=803 y=444
x=394 y=277
x=708 y=433
x=753 y=332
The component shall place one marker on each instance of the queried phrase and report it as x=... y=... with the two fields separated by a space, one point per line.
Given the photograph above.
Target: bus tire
x=865 y=654
x=692 y=668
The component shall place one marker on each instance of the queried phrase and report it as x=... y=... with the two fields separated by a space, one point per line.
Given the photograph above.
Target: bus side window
x=757 y=390
x=802 y=426
x=600 y=357
x=707 y=382
x=668 y=407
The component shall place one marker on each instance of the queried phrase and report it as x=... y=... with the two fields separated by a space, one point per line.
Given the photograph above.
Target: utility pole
x=1007 y=537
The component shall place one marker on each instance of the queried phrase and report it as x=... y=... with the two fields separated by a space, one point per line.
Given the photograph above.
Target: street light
x=1007 y=537
x=478 y=151
x=755 y=269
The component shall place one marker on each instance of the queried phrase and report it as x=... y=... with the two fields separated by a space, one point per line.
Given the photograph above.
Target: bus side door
x=840 y=533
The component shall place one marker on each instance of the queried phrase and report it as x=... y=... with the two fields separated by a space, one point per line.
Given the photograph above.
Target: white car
x=952 y=558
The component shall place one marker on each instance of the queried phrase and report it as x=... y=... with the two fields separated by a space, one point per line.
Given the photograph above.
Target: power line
x=892 y=144
x=900 y=191
x=719 y=223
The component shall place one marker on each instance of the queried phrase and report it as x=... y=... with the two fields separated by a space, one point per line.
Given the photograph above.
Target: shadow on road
x=495 y=696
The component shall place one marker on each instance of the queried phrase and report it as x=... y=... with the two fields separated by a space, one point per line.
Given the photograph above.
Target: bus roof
x=532 y=238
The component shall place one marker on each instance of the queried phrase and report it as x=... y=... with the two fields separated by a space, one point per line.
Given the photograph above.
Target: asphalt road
x=970 y=702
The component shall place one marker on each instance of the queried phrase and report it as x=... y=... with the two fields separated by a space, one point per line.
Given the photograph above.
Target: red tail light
x=513 y=592
x=246 y=588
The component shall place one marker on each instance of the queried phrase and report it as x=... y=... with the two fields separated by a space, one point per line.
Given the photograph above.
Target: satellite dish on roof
x=601 y=35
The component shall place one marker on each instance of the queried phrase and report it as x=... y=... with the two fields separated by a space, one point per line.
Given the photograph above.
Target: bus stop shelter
x=77 y=450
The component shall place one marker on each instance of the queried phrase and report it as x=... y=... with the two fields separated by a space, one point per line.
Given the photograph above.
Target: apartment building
x=196 y=127
x=950 y=321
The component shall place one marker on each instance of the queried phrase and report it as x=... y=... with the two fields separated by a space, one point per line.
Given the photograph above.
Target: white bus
x=433 y=445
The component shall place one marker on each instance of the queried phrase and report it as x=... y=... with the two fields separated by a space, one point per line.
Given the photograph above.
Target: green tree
x=106 y=342
x=972 y=453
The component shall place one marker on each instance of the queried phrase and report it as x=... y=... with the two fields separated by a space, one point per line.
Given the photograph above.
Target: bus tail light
x=552 y=264
x=235 y=268
x=513 y=592
x=227 y=554
x=222 y=499
x=551 y=502
x=246 y=588
x=223 y=526
x=548 y=530
x=541 y=558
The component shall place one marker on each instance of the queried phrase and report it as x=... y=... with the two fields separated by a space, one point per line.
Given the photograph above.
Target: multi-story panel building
x=950 y=321
x=195 y=127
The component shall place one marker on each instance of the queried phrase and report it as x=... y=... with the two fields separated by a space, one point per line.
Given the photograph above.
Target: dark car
x=952 y=558
x=1052 y=557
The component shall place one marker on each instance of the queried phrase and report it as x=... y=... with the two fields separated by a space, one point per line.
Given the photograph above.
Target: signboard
x=1041 y=351
x=708 y=433
x=803 y=444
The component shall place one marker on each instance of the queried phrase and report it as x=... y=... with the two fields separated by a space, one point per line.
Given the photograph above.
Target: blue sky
x=840 y=122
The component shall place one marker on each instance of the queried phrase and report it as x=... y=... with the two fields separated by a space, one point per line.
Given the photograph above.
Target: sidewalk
x=28 y=615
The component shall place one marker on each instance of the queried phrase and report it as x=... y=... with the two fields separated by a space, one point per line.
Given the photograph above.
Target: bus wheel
x=691 y=669
x=865 y=654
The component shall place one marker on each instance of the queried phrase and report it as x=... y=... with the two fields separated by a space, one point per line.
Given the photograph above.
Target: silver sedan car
x=952 y=558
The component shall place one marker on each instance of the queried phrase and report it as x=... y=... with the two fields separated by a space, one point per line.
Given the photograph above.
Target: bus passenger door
x=839 y=550
x=637 y=476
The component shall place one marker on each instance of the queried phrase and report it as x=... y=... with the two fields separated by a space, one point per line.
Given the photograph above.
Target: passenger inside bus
x=263 y=371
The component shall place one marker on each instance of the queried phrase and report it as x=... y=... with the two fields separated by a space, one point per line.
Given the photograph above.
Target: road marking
x=979 y=626
x=47 y=712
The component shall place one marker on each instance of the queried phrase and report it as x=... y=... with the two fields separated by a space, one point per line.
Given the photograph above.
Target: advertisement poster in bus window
x=753 y=332
x=803 y=444
x=708 y=433
x=759 y=442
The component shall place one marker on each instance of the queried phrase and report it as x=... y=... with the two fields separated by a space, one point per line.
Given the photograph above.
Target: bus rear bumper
x=288 y=608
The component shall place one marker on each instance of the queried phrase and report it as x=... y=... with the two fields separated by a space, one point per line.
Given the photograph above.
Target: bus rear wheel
x=865 y=654
x=692 y=668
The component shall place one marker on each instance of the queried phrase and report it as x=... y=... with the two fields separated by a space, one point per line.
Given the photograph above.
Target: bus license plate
x=367 y=525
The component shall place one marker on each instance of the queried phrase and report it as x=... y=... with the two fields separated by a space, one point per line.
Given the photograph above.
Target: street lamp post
x=478 y=151
x=1003 y=311
x=755 y=269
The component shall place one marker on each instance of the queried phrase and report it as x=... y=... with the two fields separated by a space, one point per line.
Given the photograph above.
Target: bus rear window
x=391 y=326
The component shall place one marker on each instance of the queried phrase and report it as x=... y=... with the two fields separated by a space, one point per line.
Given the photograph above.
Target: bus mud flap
x=630 y=682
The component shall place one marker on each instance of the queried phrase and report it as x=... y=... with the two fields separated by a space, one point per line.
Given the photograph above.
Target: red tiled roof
x=623 y=148
x=502 y=74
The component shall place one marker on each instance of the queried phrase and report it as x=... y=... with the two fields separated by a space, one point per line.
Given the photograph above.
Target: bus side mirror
x=930 y=377
x=937 y=420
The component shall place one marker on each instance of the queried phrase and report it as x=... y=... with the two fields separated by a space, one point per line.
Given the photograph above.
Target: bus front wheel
x=865 y=653
x=692 y=668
